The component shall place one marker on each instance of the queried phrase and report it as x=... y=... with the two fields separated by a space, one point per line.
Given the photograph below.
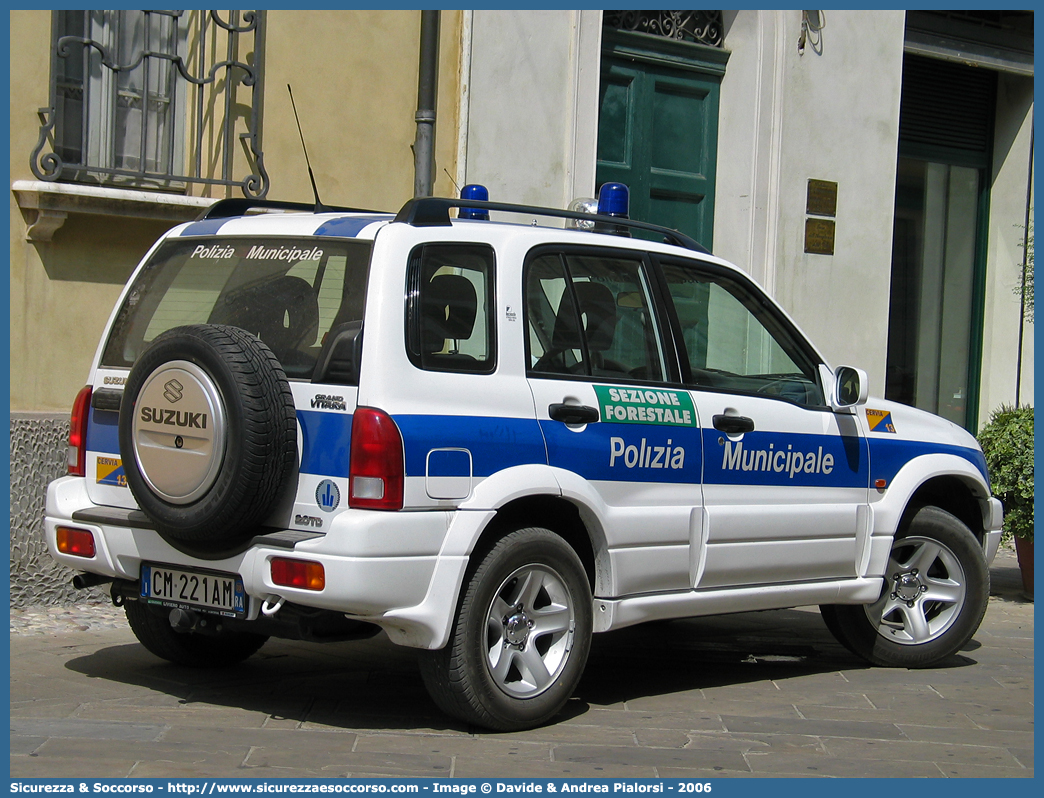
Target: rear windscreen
x=288 y=292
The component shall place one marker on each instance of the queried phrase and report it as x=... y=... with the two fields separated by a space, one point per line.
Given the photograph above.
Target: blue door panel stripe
x=610 y=451
x=782 y=459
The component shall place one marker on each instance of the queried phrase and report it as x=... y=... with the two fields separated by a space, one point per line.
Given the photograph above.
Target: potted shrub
x=1007 y=442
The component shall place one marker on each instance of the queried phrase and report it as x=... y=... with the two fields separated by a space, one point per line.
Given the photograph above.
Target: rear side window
x=449 y=308
x=288 y=292
x=591 y=315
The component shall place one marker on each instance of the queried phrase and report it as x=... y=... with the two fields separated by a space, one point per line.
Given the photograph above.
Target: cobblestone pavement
x=747 y=695
x=83 y=617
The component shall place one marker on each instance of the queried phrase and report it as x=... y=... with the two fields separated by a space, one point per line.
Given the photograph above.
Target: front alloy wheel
x=933 y=598
x=924 y=595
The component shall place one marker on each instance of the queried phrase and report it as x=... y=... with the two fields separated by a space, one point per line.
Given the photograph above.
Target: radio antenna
x=319 y=207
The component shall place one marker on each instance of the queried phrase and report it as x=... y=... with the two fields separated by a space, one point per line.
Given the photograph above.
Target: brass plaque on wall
x=822 y=198
x=819 y=236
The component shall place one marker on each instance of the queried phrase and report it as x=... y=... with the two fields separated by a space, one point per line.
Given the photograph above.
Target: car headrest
x=598 y=311
x=284 y=313
x=450 y=306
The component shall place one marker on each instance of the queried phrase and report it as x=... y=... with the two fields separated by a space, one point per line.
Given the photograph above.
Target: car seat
x=283 y=313
x=598 y=315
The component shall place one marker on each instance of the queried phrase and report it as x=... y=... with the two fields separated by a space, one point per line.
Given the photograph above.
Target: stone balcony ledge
x=46 y=206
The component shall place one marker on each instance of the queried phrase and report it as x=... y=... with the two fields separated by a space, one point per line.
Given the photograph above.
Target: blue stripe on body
x=207 y=227
x=889 y=455
x=499 y=443
x=349 y=227
x=103 y=433
x=494 y=443
x=626 y=452
x=327 y=443
x=771 y=459
x=453 y=463
x=326 y=439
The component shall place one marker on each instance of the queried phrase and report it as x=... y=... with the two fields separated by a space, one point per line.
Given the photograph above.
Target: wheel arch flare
x=943 y=480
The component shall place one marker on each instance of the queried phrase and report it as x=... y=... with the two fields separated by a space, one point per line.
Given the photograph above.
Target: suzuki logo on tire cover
x=173 y=391
x=179 y=448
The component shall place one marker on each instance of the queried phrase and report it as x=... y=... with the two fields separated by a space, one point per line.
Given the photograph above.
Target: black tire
x=540 y=648
x=238 y=388
x=196 y=650
x=934 y=597
x=835 y=625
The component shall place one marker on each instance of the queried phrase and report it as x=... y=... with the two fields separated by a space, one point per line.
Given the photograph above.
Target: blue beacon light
x=473 y=191
x=612 y=200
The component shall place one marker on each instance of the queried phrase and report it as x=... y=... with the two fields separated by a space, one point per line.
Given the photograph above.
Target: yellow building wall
x=62 y=291
x=354 y=76
x=357 y=102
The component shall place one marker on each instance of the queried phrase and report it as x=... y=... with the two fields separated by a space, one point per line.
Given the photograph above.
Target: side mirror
x=851 y=388
x=341 y=354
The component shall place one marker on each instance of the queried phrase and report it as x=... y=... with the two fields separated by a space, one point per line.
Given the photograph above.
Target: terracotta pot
x=1024 y=551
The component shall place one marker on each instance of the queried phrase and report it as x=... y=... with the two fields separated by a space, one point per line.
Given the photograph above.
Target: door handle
x=573 y=414
x=733 y=424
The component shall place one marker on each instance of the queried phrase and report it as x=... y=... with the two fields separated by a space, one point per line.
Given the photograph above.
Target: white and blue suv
x=491 y=440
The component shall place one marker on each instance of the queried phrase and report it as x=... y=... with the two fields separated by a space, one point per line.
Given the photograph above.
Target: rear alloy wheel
x=935 y=593
x=522 y=635
x=529 y=631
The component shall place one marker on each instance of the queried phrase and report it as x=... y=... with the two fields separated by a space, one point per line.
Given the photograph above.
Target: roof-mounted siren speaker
x=473 y=191
x=582 y=205
x=613 y=199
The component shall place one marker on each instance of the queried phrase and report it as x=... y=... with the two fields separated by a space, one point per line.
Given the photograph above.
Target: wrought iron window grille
x=155 y=99
x=703 y=27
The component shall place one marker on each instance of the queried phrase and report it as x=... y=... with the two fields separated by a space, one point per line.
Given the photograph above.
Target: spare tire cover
x=208 y=434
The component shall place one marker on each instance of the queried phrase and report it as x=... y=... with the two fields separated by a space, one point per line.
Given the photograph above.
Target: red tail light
x=304 y=574
x=78 y=433
x=75 y=541
x=376 y=469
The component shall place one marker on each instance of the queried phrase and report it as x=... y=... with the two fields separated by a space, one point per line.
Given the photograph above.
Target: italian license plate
x=217 y=593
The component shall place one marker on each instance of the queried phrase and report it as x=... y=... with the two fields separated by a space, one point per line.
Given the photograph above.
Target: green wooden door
x=658 y=130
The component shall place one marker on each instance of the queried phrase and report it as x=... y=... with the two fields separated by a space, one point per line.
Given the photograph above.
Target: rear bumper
x=383 y=568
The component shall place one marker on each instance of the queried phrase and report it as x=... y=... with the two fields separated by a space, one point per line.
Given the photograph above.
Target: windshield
x=288 y=292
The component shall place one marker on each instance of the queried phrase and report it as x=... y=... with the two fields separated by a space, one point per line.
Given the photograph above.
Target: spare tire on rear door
x=208 y=435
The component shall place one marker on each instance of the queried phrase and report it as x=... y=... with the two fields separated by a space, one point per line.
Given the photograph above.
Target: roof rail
x=434 y=212
x=238 y=206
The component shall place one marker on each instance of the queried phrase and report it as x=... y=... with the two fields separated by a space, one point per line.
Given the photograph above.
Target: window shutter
x=946 y=105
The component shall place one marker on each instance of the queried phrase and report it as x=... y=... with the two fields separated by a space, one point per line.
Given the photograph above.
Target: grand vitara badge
x=179 y=431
